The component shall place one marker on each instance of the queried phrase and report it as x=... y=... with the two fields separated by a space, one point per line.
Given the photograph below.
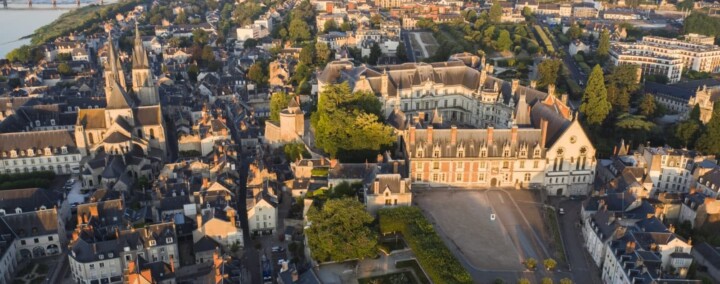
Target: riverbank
x=19 y=26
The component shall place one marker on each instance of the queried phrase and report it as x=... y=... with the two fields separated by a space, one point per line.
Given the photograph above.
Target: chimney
x=453 y=135
x=198 y=220
x=376 y=186
x=543 y=132
x=430 y=134
x=172 y=263
x=513 y=135
x=117 y=233
x=412 y=135
x=630 y=247
x=205 y=181
x=490 y=130
x=75 y=235
x=395 y=167
x=533 y=84
x=564 y=99
x=333 y=163
x=515 y=85
x=231 y=216
x=379 y=158
x=483 y=77
x=551 y=89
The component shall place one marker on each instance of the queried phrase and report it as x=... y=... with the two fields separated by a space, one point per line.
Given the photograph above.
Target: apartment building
x=52 y=150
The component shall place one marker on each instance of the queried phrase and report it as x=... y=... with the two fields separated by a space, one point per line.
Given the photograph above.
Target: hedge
x=47 y=175
x=320 y=171
x=430 y=251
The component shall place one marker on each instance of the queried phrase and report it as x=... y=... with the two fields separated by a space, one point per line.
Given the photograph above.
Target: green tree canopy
x=278 y=102
x=295 y=151
x=258 y=74
x=341 y=231
x=708 y=141
x=621 y=84
x=64 y=69
x=548 y=71
x=299 y=30
x=496 y=13
x=375 y=53
x=647 y=105
x=323 y=54
x=349 y=121
x=574 y=32
x=504 y=43
x=687 y=132
x=330 y=26
x=633 y=122
x=603 y=49
x=594 y=105
x=181 y=18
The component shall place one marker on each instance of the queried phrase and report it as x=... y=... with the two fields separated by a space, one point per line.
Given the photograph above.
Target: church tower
x=118 y=101
x=142 y=82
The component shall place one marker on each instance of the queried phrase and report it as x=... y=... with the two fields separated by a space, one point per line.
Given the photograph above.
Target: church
x=130 y=127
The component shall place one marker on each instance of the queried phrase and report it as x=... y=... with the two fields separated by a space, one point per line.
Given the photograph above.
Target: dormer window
x=52 y=122
x=18 y=210
x=461 y=153
x=483 y=153
x=436 y=153
x=152 y=242
x=31 y=152
x=523 y=153
x=63 y=150
x=419 y=153
x=13 y=153
x=101 y=257
x=536 y=153
x=2 y=212
x=506 y=153
x=169 y=240
x=37 y=123
x=110 y=255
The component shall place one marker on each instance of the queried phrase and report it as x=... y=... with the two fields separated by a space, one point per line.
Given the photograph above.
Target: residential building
x=650 y=63
x=577 y=46
x=262 y=211
x=670 y=170
x=388 y=190
x=38 y=233
x=709 y=184
x=584 y=10
x=50 y=150
x=699 y=39
x=8 y=254
x=682 y=97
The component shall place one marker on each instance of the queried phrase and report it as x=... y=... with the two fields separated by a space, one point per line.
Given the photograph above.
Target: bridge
x=53 y=5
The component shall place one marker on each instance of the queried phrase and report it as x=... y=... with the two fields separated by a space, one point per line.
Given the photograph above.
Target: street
x=584 y=271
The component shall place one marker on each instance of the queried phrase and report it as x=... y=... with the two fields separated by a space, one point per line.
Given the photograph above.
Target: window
x=506 y=165
x=419 y=153
x=102 y=265
x=482 y=164
x=506 y=153
x=436 y=165
x=458 y=177
x=459 y=165
x=481 y=177
x=92 y=266
x=36 y=240
x=461 y=153
x=22 y=242
x=388 y=202
x=152 y=133
x=50 y=238
x=418 y=176
x=419 y=166
x=527 y=177
x=483 y=153
x=536 y=153
x=523 y=153
x=536 y=164
x=522 y=164
x=436 y=153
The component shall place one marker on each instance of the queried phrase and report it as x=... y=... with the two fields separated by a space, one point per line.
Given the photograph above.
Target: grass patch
x=415 y=267
x=393 y=278
x=552 y=221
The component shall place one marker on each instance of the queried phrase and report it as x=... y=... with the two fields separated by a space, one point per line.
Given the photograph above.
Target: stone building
x=291 y=126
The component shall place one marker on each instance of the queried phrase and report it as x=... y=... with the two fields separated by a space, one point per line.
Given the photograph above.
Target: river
x=19 y=23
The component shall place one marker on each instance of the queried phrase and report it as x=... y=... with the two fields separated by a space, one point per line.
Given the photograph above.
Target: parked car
x=562 y=211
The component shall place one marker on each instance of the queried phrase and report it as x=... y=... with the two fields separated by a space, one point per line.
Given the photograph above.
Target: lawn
x=552 y=221
x=404 y=277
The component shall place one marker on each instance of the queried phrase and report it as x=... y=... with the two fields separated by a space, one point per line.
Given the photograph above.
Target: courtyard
x=463 y=218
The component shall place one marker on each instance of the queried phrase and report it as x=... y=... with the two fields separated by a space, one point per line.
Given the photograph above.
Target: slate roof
x=37 y=140
x=91 y=118
x=37 y=223
x=711 y=254
x=148 y=115
x=27 y=199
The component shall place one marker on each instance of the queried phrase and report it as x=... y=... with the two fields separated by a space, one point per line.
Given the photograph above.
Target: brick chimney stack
x=543 y=132
x=411 y=135
x=453 y=135
x=513 y=135
x=490 y=131
x=430 y=134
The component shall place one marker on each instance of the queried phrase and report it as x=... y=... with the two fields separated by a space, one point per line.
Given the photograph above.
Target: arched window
x=140 y=133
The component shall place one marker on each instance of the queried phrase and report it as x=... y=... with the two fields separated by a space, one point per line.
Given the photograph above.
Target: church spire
x=113 y=68
x=140 y=58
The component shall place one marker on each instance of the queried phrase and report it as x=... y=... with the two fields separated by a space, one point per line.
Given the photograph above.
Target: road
x=584 y=271
x=569 y=63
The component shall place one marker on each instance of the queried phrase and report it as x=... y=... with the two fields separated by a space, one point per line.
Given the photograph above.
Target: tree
x=181 y=18
x=343 y=190
x=523 y=281
x=249 y=43
x=686 y=132
x=64 y=69
x=496 y=13
x=21 y=54
x=375 y=53
x=549 y=263
x=307 y=55
x=341 y=231
x=708 y=141
x=603 y=49
x=329 y=26
x=574 y=32
x=548 y=71
x=295 y=151
x=621 y=83
x=594 y=105
x=401 y=53
x=346 y=26
x=503 y=42
x=647 y=105
x=530 y=263
x=299 y=30
x=278 y=102
x=546 y=280
x=527 y=12
x=193 y=72
x=200 y=37
x=257 y=74
x=566 y=281
x=207 y=54
x=323 y=54
x=346 y=121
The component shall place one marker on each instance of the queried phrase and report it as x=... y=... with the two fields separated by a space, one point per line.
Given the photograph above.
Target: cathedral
x=131 y=125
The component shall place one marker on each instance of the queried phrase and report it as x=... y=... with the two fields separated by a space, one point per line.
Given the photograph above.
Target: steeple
x=113 y=68
x=140 y=59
